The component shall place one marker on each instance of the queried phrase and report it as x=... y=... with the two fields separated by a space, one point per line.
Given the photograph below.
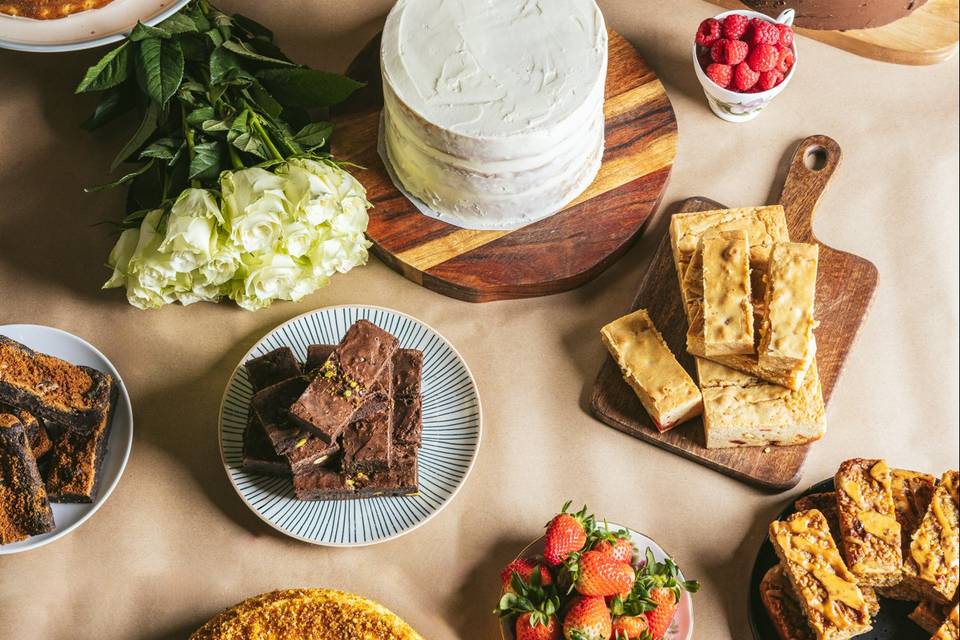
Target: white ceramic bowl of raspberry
x=734 y=106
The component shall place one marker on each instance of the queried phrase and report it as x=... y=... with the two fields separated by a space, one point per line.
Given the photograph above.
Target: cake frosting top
x=494 y=68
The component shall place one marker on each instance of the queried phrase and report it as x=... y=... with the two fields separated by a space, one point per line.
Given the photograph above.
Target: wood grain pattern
x=845 y=287
x=927 y=36
x=549 y=256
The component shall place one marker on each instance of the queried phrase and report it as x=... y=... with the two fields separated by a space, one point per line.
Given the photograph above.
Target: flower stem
x=264 y=136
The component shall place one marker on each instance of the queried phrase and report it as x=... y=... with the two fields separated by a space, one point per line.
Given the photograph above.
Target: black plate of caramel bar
x=891 y=623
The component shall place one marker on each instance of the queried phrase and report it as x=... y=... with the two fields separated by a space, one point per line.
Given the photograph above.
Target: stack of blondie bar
x=882 y=531
x=347 y=423
x=55 y=422
x=748 y=293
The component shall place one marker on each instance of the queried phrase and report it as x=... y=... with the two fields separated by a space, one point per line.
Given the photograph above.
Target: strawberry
x=763 y=57
x=785 y=59
x=762 y=32
x=656 y=594
x=630 y=628
x=769 y=79
x=614 y=544
x=735 y=25
x=530 y=627
x=566 y=534
x=523 y=567
x=731 y=52
x=744 y=77
x=708 y=32
x=786 y=34
x=597 y=574
x=587 y=619
x=659 y=619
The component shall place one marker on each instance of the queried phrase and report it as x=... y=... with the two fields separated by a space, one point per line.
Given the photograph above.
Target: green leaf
x=307 y=87
x=162 y=149
x=179 y=23
x=200 y=115
x=147 y=126
x=142 y=32
x=252 y=27
x=314 y=135
x=213 y=125
x=215 y=37
x=110 y=70
x=243 y=50
x=240 y=137
x=161 y=66
x=205 y=164
x=262 y=98
x=114 y=103
x=226 y=67
x=123 y=179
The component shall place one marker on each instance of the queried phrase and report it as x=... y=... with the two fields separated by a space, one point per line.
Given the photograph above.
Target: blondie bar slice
x=664 y=388
x=950 y=629
x=825 y=503
x=929 y=616
x=869 y=531
x=835 y=607
x=786 y=333
x=912 y=493
x=24 y=507
x=727 y=309
x=782 y=606
x=931 y=567
x=742 y=411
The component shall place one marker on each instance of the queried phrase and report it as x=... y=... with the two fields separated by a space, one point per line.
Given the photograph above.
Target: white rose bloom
x=150 y=274
x=265 y=278
x=221 y=267
x=191 y=236
x=338 y=254
x=255 y=207
x=299 y=237
x=322 y=190
x=119 y=259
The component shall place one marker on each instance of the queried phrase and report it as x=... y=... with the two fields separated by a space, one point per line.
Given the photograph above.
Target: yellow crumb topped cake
x=299 y=614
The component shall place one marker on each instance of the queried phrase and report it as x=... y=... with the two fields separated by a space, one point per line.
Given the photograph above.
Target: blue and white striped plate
x=451 y=435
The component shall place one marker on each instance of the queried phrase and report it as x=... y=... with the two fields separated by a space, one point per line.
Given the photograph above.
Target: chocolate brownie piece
x=407 y=372
x=273 y=367
x=272 y=406
x=341 y=385
x=76 y=463
x=317 y=354
x=377 y=398
x=37 y=435
x=24 y=507
x=51 y=388
x=259 y=456
x=329 y=483
x=408 y=420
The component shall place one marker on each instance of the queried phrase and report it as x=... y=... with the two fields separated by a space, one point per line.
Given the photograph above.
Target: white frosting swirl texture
x=493 y=109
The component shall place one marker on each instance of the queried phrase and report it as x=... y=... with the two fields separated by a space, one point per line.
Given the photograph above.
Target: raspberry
x=708 y=32
x=722 y=74
x=763 y=32
x=763 y=57
x=730 y=52
x=744 y=77
x=735 y=25
x=786 y=35
x=784 y=59
x=769 y=79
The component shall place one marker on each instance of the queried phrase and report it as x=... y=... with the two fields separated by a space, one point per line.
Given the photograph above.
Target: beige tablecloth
x=174 y=544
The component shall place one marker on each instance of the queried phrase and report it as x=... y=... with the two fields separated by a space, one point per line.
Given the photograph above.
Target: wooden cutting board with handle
x=845 y=287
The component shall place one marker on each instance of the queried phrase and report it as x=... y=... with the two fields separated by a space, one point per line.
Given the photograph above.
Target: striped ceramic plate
x=451 y=435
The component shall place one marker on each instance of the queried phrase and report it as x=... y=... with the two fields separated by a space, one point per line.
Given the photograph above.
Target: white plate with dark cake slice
x=66 y=346
x=450 y=438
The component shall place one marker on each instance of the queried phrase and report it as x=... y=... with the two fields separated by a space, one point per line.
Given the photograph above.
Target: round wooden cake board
x=556 y=254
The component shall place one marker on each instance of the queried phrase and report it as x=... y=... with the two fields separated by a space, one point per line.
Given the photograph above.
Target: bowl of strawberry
x=590 y=580
x=744 y=59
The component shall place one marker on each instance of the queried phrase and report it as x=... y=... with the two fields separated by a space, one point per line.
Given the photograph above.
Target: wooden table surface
x=174 y=544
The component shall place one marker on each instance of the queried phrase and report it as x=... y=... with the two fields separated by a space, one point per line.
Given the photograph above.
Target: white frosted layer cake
x=493 y=109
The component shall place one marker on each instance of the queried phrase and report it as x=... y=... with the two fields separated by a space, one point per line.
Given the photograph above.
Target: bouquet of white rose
x=275 y=236
x=235 y=195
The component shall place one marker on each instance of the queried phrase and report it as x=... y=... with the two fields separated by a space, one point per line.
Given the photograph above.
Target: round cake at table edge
x=839 y=14
x=494 y=132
